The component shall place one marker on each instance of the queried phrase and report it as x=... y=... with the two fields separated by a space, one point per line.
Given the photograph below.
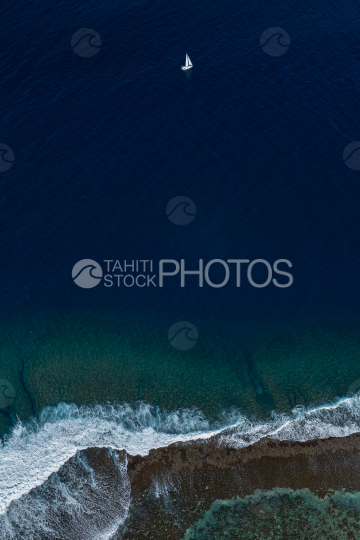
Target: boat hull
x=186 y=67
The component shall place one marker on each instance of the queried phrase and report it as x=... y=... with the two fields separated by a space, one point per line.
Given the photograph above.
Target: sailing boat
x=188 y=63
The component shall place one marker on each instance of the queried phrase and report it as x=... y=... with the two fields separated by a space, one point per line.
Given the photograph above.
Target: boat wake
x=38 y=496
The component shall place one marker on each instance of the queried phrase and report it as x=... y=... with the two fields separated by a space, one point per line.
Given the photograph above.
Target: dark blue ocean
x=102 y=144
x=104 y=136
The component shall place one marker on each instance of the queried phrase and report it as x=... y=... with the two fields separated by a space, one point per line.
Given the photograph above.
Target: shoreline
x=173 y=490
x=173 y=486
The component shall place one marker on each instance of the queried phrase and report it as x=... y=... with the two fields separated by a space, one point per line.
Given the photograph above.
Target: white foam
x=332 y=420
x=77 y=502
x=34 y=451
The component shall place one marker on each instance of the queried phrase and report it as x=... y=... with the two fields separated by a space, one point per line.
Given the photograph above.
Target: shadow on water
x=141 y=388
x=263 y=398
x=10 y=411
x=23 y=382
x=10 y=415
x=8 y=420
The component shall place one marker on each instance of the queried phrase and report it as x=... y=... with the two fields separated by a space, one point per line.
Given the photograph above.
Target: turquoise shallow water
x=87 y=360
x=280 y=514
x=79 y=381
x=101 y=145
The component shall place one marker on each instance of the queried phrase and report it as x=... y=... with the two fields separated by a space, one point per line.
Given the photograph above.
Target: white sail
x=188 y=63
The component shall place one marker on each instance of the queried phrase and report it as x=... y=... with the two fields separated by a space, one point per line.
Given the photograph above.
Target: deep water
x=102 y=143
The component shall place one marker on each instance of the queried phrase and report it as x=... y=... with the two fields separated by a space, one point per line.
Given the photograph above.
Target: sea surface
x=105 y=133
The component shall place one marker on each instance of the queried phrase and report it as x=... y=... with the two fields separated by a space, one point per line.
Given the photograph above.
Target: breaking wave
x=40 y=495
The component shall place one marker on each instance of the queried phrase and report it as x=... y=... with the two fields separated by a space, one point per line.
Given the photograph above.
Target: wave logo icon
x=87 y=273
x=7 y=393
x=351 y=155
x=181 y=210
x=6 y=157
x=183 y=336
x=86 y=42
x=354 y=388
x=275 y=41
